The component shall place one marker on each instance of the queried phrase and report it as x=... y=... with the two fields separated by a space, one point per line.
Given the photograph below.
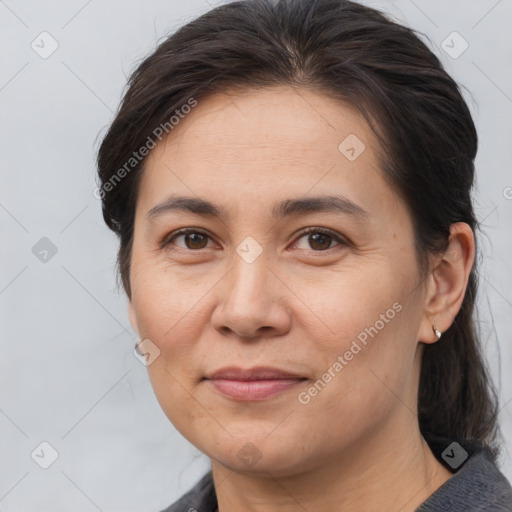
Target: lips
x=253 y=383
x=257 y=373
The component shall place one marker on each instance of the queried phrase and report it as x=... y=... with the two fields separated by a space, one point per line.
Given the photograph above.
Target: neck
x=388 y=471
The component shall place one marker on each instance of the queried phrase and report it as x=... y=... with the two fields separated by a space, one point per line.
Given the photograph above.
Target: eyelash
x=167 y=241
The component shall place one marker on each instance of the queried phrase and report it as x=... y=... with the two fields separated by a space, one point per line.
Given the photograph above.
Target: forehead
x=266 y=141
x=280 y=117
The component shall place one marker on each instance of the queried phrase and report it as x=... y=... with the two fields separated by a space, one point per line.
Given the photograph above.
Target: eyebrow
x=339 y=204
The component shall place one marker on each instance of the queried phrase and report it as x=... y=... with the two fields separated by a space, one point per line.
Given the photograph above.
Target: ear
x=133 y=318
x=447 y=282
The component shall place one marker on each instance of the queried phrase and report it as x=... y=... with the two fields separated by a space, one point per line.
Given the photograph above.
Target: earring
x=436 y=331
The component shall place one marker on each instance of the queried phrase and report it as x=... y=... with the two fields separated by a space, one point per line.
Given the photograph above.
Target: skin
x=299 y=305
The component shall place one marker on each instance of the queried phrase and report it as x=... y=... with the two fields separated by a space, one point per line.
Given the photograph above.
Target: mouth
x=254 y=383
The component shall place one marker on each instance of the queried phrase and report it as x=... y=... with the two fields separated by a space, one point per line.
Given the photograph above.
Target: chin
x=260 y=455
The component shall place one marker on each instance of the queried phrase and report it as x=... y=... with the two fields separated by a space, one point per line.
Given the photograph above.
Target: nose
x=250 y=302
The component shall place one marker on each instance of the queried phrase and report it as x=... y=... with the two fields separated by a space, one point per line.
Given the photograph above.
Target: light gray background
x=68 y=375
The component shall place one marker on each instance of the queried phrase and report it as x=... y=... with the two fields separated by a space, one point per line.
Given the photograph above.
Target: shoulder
x=477 y=484
x=200 y=498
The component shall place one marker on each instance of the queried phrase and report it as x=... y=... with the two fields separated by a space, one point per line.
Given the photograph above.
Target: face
x=270 y=273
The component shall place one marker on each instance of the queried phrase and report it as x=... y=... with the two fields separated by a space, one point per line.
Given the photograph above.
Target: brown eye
x=320 y=240
x=196 y=240
x=192 y=240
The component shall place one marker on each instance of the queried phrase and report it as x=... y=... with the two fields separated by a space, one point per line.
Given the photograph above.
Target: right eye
x=193 y=239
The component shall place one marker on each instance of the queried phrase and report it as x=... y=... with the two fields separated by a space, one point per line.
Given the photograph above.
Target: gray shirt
x=477 y=485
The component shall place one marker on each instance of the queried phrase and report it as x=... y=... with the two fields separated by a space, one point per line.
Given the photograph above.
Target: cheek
x=367 y=344
x=345 y=303
x=329 y=308
x=168 y=302
x=166 y=307
x=174 y=393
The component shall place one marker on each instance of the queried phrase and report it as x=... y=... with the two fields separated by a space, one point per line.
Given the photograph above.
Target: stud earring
x=436 y=331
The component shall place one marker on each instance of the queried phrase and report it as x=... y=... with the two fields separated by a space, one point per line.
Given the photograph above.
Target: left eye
x=320 y=240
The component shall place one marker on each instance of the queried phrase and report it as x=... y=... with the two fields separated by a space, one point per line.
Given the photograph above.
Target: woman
x=290 y=182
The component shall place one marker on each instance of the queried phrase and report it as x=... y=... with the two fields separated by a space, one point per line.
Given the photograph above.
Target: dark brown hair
x=357 y=55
